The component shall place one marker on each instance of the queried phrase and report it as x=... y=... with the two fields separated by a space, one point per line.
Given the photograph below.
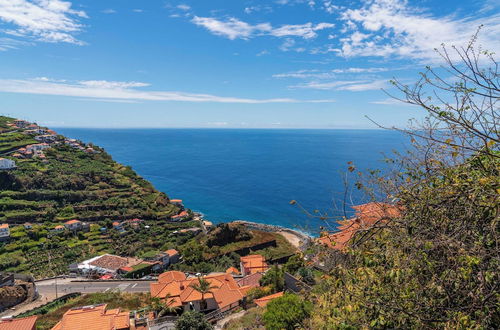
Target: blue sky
x=220 y=63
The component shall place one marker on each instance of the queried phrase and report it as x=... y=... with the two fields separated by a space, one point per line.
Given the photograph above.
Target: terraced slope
x=70 y=183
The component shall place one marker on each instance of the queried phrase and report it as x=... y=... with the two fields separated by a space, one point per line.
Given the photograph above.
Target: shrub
x=192 y=321
x=286 y=312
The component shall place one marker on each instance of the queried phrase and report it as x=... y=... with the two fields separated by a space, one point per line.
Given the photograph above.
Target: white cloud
x=392 y=28
x=122 y=91
x=344 y=85
x=9 y=43
x=232 y=28
x=306 y=31
x=184 y=7
x=317 y=74
x=43 y=20
x=108 y=11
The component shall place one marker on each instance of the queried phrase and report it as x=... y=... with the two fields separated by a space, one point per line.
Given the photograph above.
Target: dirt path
x=220 y=324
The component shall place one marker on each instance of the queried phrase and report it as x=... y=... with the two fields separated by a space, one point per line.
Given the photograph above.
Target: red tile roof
x=175 y=284
x=232 y=270
x=4 y=225
x=172 y=252
x=262 y=302
x=70 y=222
x=25 y=323
x=254 y=263
x=366 y=216
x=94 y=318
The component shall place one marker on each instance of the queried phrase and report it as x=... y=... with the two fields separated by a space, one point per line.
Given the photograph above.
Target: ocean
x=249 y=174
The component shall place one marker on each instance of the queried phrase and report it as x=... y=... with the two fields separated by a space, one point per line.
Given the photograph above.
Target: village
x=217 y=295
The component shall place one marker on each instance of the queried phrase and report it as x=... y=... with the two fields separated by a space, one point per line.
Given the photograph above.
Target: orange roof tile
x=262 y=302
x=70 y=222
x=176 y=200
x=254 y=263
x=93 y=318
x=232 y=270
x=4 y=225
x=225 y=289
x=172 y=252
x=25 y=323
x=366 y=215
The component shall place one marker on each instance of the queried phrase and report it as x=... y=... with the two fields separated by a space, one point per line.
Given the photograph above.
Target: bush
x=192 y=321
x=286 y=312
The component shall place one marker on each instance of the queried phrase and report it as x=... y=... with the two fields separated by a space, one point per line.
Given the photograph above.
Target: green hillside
x=70 y=183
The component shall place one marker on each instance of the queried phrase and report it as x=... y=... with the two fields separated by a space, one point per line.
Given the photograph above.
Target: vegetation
x=192 y=321
x=286 y=312
x=70 y=183
x=437 y=265
x=251 y=320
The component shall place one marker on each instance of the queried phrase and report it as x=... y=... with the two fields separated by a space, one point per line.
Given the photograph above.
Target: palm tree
x=203 y=286
x=162 y=306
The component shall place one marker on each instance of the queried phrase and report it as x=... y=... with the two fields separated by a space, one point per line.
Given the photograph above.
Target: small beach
x=294 y=237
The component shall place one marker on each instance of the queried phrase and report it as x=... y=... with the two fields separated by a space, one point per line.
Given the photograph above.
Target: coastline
x=295 y=237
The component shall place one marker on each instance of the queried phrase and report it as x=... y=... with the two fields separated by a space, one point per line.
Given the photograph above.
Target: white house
x=7 y=164
x=4 y=232
x=37 y=147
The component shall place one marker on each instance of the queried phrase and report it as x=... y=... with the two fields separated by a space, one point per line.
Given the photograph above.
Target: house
x=181 y=216
x=134 y=223
x=173 y=256
x=262 y=302
x=4 y=232
x=37 y=147
x=21 y=123
x=59 y=228
x=177 y=202
x=76 y=225
x=232 y=271
x=45 y=138
x=177 y=291
x=7 y=164
x=24 y=323
x=254 y=263
x=94 y=317
x=105 y=264
x=366 y=215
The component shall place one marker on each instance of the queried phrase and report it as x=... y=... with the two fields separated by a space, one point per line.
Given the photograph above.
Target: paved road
x=65 y=286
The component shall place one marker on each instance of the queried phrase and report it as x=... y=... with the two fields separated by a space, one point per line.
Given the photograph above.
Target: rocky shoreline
x=295 y=237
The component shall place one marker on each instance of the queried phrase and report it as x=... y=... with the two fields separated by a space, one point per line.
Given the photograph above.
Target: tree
x=275 y=278
x=193 y=321
x=203 y=286
x=286 y=312
x=437 y=263
x=162 y=306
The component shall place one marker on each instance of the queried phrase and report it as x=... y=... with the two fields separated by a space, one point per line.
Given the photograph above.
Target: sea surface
x=239 y=174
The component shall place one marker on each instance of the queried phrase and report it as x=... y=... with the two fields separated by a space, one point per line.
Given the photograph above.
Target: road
x=65 y=286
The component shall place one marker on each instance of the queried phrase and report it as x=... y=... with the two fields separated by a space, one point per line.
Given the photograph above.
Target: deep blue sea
x=230 y=174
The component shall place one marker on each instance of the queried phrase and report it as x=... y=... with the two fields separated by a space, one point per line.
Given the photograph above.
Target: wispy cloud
x=183 y=7
x=108 y=11
x=41 y=20
x=122 y=91
x=393 y=28
x=344 y=85
x=318 y=74
x=9 y=43
x=233 y=28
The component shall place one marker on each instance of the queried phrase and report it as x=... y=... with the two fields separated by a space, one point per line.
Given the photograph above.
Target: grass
x=251 y=320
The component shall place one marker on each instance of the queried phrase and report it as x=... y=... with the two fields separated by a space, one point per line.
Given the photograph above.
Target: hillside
x=70 y=180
